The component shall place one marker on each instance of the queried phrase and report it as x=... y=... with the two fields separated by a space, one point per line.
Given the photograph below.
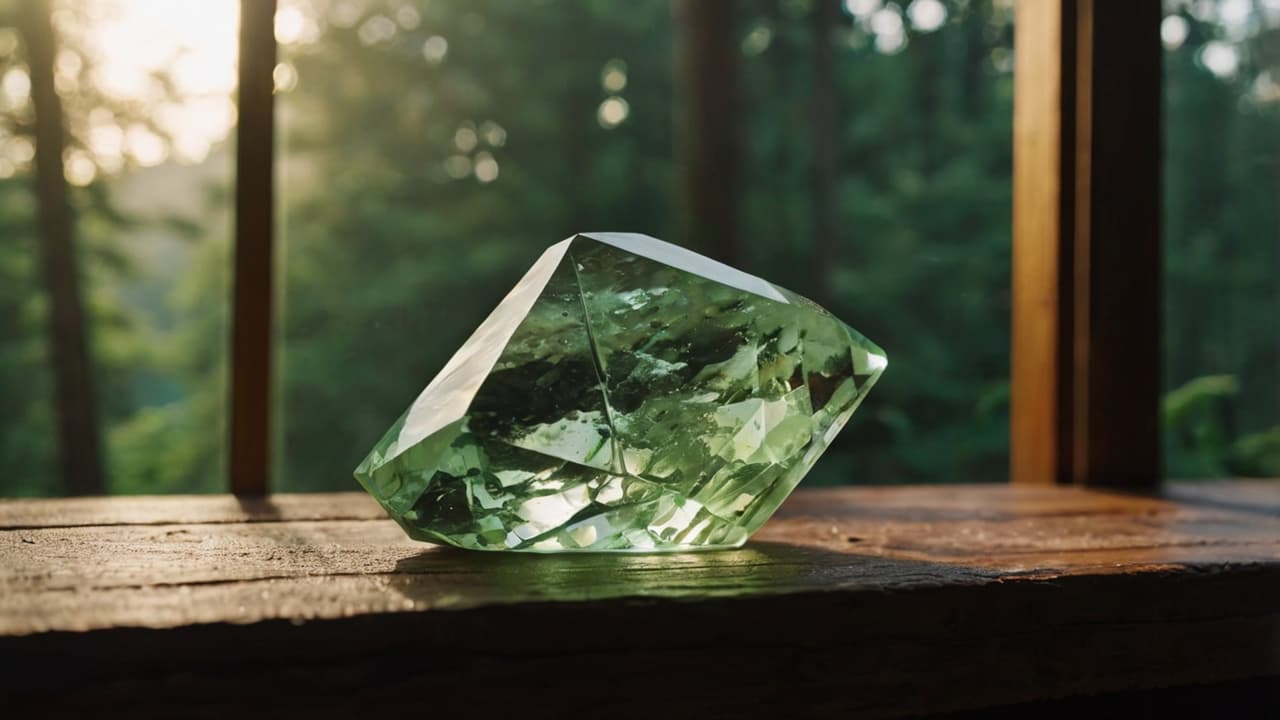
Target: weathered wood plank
x=877 y=601
x=55 y=578
x=45 y=561
x=874 y=653
x=426 y=581
x=1260 y=496
x=973 y=501
x=1015 y=531
x=970 y=501
x=178 y=509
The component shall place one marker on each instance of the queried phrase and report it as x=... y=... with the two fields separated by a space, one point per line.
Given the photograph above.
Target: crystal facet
x=626 y=395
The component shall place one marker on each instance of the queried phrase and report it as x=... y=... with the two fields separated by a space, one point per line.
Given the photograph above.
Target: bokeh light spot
x=612 y=112
x=486 y=167
x=1173 y=31
x=434 y=49
x=465 y=139
x=927 y=15
x=285 y=77
x=613 y=78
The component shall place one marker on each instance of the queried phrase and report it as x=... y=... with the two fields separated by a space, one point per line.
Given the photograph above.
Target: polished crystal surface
x=626 y=395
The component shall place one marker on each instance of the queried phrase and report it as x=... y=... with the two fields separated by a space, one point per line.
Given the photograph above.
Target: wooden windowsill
x=878 y=601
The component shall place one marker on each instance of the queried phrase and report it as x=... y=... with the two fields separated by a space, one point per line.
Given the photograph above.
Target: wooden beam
x=1038 y=226
x=851 y=602
x=1086 y=256
x=253 y=267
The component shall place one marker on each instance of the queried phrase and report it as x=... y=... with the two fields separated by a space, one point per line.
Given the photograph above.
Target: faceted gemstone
x=626 y=395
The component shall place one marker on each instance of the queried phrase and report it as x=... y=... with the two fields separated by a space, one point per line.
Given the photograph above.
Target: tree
x=826 y=18
x=121 y=325
x=707 y=153
x=854 y=152
x=79 y=445
x=397 y=247
x=1222 y=242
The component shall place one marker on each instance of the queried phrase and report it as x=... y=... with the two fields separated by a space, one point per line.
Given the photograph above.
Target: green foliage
x=1199 y=439
x=1257 y=454
x=384 y=245
x=1222 y=253
x=923 y=239
x=135 y=365
x=26 y=425
x=422 y=169
x=1196 y=437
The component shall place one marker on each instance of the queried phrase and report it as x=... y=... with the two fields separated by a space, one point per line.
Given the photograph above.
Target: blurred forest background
x=428 y=151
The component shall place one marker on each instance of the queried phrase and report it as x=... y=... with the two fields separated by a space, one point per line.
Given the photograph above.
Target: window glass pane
x=431 y=150
x=1222 y=237
x=145 y=88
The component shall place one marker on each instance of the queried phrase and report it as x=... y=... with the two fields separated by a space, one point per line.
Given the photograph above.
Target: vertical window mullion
x=1086 y=256
x=253 y=265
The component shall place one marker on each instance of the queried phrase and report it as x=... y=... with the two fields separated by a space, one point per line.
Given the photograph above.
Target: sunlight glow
x=1173 y=31
x=1234 y=12
x=862 y=8
x=494 y=134
x=888 y=27
x=1220 y=58
x=465 y=139
x=134 y=38
x=613 y=111
x=295 y=25
x=377 y=29
x=434 y=49
x=19 y=150
x=486 y=167
x=408 y=17
x=284 y=77
x=886 y=22
x=106 y=142
x=15 y=86
x=145 y=146
x=79 y=168
x=927 y=15
x=130 y=44
x=345 y=13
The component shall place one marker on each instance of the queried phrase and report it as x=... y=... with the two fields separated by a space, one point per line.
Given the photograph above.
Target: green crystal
x=626 y=395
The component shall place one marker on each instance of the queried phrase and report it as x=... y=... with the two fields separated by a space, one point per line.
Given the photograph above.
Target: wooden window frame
x=1085 y=349
x=1085 y=379
x=253 y=270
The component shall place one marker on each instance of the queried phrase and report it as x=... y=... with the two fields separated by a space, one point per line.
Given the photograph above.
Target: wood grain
x=1039 y=222
x=877 y=601
x=1086 y=250
x=179 y=509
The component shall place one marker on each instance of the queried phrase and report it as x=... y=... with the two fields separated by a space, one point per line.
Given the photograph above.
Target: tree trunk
x=825 y=149
x=707 y=148
x=79 y=453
